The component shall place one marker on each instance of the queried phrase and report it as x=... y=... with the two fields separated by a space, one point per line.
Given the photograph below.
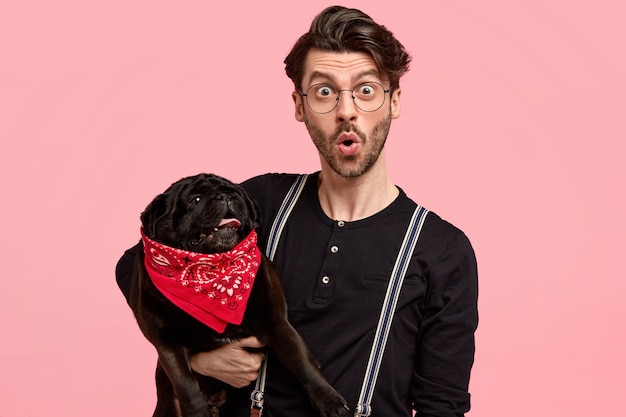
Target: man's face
x=348 y=139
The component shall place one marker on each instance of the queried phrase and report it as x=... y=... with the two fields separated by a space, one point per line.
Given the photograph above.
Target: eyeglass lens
x=323 y=98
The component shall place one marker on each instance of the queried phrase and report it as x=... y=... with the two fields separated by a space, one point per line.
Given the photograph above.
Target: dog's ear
x=254 y=210
x=154 y=212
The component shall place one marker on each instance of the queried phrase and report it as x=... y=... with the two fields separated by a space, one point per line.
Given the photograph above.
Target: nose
x=346 y=109
x=222 y=196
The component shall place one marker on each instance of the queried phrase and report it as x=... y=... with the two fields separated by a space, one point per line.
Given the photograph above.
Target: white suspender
x=389 y=305
x=272 y=243
x=283 y=214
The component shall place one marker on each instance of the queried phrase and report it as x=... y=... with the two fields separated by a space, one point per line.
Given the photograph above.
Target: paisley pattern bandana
x=213 y=288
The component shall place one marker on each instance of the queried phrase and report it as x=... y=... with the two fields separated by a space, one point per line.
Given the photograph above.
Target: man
x=341 y=241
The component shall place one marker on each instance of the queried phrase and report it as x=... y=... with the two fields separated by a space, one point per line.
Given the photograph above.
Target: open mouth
x=226 y=225
x=348 y=144
x=347 y=138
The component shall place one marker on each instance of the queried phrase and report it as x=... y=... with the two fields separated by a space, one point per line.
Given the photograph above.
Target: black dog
x=207 y=214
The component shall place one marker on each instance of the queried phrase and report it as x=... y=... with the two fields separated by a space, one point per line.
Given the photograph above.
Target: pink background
x=513 y=128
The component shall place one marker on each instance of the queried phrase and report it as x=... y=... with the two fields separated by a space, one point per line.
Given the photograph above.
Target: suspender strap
x=272 y=244
x=363 y=408
x=283 y=214
x=389 y=306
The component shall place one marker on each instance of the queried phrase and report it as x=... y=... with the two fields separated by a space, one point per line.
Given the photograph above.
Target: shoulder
x=443 y=230
x=269 y=191
x=447 y=259
x=269 y=185
x=451 y=260
x=441 y=236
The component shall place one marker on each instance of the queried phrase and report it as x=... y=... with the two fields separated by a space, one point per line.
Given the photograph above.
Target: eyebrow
x=363 y=74
x=356 y=78
x=324 y=75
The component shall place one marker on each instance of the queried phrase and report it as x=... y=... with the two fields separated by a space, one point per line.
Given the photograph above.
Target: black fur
x=185 y=216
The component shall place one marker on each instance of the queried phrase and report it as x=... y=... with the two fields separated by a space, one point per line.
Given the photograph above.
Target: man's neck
x=351 y=199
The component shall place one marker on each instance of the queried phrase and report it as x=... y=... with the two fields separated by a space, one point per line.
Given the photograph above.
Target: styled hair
x=340 y=29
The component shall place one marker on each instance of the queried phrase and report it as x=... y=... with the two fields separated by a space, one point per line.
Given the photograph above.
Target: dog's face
x=204 y=213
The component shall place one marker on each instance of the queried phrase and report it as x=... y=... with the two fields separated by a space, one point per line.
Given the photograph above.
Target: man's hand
x=233 y=364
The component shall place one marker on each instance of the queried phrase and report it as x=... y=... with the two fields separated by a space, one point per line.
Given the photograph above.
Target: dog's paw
x=210 y=412
x=331 y=405
x=199 y=409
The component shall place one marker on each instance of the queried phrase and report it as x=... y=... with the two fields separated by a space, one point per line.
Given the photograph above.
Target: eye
x=324 y=91
x=197 y=199
x=366 y=90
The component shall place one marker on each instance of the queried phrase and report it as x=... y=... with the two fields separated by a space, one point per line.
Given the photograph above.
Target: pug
x=201 y=282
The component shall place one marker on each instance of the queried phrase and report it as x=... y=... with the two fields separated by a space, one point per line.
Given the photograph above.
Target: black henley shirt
x=335 y=277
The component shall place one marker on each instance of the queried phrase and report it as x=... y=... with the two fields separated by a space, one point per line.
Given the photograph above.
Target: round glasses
x=323 y=98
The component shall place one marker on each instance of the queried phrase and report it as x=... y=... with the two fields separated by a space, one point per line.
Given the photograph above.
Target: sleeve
x=124 y=270
x=446 y=342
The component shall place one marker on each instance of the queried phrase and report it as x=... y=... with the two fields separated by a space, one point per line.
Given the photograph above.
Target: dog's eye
x=197 y=199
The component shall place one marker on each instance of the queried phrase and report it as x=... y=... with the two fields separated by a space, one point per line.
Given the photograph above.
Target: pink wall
x=513 y=127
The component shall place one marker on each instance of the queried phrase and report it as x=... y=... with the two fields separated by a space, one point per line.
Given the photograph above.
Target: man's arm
x=446 y=342
x=231 y=363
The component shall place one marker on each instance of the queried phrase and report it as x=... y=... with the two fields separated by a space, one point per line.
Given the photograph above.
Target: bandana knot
x=213 y=288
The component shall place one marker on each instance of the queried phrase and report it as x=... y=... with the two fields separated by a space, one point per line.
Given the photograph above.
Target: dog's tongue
x=234 y=223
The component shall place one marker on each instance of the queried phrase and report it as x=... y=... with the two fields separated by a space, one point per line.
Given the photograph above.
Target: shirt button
x=334 y=249
x=341 y=223
x=325 y=280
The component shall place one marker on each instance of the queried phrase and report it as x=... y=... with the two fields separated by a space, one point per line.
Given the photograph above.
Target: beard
x=353 y=165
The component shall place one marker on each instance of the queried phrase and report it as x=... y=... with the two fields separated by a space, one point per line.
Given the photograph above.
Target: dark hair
x=340 y=29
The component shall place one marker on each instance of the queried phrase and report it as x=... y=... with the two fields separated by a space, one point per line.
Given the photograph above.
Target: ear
x=253 y=209
x=154 y=212
x=299 y=103
x=395 y=103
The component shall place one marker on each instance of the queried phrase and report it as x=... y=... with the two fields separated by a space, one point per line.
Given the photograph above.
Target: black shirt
x=335 y=277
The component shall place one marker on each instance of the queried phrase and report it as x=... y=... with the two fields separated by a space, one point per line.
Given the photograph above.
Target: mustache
x=348 y=127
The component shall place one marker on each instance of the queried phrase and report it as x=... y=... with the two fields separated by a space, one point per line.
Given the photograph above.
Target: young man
x=340 y=243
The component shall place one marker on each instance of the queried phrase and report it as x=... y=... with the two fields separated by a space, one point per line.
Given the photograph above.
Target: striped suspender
x=389 y=306
x=386 y=317
x=272 y=243
x=283 y=214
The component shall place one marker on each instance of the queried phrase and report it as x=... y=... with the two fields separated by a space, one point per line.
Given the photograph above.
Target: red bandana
x=213 y=288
